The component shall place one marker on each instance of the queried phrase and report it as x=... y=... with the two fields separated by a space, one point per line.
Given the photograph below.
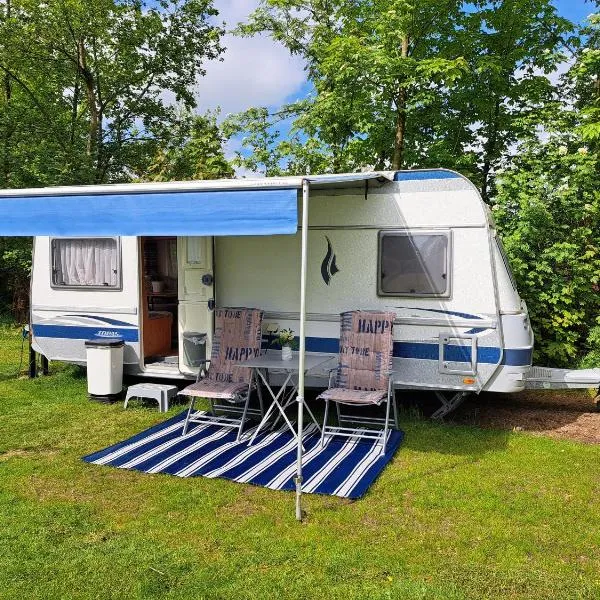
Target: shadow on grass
x=443 y=437
x=9 y=376
x=448 y=438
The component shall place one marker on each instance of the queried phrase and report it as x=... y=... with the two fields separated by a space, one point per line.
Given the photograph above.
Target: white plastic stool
x=160 y=392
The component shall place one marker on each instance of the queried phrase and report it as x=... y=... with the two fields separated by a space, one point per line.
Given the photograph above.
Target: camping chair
x=237 y=338
x=363 y=376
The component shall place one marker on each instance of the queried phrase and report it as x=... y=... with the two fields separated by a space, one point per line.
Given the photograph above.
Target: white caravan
x=420 y=243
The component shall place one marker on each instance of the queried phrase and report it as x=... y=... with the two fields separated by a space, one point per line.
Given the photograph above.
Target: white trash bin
x=104 y=368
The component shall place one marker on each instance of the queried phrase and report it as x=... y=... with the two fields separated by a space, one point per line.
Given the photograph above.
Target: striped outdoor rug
x=344 y=467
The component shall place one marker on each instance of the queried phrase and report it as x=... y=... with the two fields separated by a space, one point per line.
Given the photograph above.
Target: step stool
x=160 y=392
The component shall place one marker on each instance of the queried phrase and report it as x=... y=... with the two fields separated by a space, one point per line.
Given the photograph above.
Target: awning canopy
x=224 y=207
x=251 y=212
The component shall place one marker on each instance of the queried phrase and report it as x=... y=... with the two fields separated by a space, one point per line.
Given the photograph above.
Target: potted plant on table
x=287 y=342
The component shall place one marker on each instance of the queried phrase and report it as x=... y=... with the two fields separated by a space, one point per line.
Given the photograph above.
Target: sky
x=260 y=72
x=254 y=71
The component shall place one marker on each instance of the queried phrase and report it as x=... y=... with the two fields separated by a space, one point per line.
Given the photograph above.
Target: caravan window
x=506 y=263
x=414 y=264
x=86 y=263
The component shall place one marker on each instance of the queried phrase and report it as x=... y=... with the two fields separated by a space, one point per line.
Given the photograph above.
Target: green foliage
x=88 y=88
x=193 y=151
x=271 y=154
x=586 y=77
x=592 y=359
x=403 y=83
x=15 y=265
x=548 y=211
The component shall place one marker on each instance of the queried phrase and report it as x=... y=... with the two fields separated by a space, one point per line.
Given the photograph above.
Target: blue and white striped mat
x=344 y=467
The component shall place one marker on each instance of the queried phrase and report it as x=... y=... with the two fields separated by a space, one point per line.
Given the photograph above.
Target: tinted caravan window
x=86 y=263
x=414 y=264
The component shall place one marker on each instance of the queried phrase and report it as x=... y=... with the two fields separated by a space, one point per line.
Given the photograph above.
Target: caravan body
x=421 y=243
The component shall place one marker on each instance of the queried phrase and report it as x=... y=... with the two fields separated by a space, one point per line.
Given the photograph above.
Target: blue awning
x=211 y=212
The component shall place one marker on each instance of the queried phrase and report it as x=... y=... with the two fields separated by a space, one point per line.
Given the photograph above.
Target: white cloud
x=255 y=71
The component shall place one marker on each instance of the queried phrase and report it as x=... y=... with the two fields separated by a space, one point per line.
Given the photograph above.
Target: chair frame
x=370 y=434
x=213 y=418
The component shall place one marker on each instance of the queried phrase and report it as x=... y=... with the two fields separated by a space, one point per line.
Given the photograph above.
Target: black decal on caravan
x=328 y=267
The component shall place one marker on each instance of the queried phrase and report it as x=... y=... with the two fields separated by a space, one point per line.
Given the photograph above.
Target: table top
x=272 y=360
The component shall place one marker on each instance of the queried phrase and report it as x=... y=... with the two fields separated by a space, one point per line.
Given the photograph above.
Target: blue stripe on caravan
x=104 y=320
x=71 y=332
x=444 y=312
x=422 y=175
x=425 y=351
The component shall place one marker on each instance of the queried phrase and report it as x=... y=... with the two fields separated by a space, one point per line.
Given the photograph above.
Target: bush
x=548 y=213
x=15 y=268
x=592 y=359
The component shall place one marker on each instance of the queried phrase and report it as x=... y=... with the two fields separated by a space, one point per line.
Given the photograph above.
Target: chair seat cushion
x=346 y=396
x=215 y=389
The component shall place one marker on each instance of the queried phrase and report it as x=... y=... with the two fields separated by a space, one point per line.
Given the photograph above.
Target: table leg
x=259 y=393
x=260 y=425
x=275 y=404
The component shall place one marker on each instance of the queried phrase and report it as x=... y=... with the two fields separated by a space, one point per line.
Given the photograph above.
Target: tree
x=399 y=83
x=585 y=76
x=15 y=265
x=373 y=64
x=89 y=82
x=193 y=151
x=548 y=211
x=511 y=46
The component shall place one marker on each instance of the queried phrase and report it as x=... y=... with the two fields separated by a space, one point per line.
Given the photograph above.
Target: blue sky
x=575 y=10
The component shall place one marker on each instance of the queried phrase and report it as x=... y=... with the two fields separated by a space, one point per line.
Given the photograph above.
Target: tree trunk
x=74 y=109
x=489 y=149
x=9 y=129
x=90 y=91
x=400 y=134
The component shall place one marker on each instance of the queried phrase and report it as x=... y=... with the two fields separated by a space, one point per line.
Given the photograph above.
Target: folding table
x=272 y=361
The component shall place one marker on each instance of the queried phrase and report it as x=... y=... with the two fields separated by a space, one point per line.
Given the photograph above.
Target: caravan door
x=195 y=294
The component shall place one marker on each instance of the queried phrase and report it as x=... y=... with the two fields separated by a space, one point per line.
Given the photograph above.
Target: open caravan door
x=196 y=301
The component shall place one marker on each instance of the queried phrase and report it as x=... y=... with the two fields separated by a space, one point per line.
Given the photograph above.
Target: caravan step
x=164 y=373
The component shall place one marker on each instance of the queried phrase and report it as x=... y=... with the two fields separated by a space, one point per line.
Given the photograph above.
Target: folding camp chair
x=363 y=376
x=237 y=338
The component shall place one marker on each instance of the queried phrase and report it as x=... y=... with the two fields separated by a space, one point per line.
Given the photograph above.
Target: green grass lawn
x=460 y=512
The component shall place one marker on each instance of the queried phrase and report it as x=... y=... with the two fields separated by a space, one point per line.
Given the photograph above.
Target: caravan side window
x=414 y=263
x=90 y=263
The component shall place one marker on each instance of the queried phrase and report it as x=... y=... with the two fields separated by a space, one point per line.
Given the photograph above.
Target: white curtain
x=86 y=262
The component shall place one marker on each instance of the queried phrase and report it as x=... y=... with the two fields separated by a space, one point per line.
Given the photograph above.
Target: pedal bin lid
x=99 y=342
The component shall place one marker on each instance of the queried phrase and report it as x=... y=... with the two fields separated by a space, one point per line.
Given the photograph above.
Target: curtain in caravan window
x=91 y=262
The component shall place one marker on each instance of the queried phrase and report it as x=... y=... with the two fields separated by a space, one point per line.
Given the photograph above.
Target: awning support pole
x=302 y=349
